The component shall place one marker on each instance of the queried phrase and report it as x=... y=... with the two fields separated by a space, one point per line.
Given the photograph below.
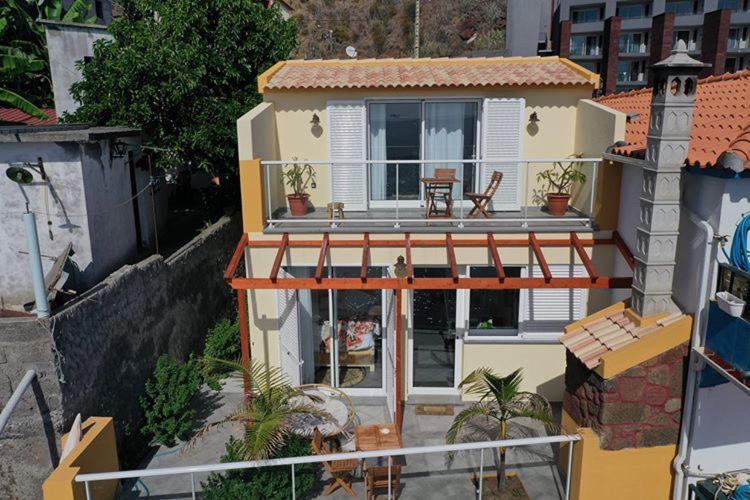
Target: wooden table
x=370 y=438
x=434 y=188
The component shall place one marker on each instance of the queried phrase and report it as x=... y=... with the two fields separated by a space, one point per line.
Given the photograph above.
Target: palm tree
x=500 y=401
x=268 y=412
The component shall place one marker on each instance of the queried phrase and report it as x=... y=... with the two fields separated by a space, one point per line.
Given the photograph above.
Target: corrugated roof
x=11 y=115
x=592 y=340
x=721 y=121
x=420 y=73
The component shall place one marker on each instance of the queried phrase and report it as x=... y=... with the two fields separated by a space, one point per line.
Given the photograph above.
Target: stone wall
x=95 y=354
x=637 y=408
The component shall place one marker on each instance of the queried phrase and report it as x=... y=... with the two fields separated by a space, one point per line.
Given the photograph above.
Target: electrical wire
x=738 y=255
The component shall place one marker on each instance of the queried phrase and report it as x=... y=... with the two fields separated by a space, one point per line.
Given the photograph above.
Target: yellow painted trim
x=97 y=452
x=251 y=189
x=590 y=75
x=666 y=338
x=264 y=77
x=616 y=474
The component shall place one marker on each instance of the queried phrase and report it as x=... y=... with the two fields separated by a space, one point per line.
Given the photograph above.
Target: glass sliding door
x=433 y=356
x=395 y=133
x=451 y=134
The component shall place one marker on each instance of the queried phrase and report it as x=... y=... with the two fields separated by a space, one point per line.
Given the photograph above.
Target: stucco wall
x=87 y=203
x=554 y=137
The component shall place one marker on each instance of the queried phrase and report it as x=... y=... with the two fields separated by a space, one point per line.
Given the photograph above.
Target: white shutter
x=390 y=357
x=502 y=140
x=546 y=311
x=289 y=349
x=346 y=142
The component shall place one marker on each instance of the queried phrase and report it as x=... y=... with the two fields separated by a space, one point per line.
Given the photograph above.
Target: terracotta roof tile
x=721 y=121
x=595 y=338
x=441 y=72
x=16 y=116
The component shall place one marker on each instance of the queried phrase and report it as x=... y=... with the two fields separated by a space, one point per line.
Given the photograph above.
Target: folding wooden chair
x=481 y=200
x=376 y=480
x=341 y=471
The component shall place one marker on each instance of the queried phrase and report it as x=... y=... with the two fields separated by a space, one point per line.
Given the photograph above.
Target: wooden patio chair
x=481 y=200
x=376 y=480
x=341 y=471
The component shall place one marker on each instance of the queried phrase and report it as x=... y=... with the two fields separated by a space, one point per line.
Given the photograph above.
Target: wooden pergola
x=408 y=281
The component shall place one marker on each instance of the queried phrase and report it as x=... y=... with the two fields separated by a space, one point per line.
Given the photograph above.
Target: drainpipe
x=681 y=461
x=37 y=274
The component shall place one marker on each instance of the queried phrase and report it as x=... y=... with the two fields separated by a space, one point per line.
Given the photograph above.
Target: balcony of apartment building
x=634 y=15
x=738 y=49
x=587 y=18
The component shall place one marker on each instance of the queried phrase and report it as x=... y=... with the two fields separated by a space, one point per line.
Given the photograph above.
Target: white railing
x=15 y=398
x=190 y=471
x=582 y=215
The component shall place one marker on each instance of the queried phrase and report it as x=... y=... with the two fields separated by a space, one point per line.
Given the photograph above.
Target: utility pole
x=416 y=29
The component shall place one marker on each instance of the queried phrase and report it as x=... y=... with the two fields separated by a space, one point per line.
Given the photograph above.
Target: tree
x=183 y=71
x=500 y=401
x=266 y=415
x=24 y=67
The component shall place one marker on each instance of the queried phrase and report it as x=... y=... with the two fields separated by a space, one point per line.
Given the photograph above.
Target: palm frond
x=463 y=418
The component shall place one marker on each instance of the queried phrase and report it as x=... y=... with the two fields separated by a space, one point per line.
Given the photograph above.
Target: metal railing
x=15 y=398
x=579 y=215
x=190 y=471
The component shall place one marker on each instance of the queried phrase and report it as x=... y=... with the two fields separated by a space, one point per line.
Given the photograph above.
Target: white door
x=289 y=342
x=346 y=143
x=502 y=143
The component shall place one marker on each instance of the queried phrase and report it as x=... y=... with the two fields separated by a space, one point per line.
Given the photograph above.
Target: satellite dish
x=19 y=175
x=351 y=52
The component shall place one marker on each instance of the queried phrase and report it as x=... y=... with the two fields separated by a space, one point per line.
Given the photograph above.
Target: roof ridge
x=426 y=60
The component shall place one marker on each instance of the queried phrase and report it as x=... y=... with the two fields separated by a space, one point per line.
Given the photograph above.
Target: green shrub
x=222 y=342
x=272 y=483
x=166 y=400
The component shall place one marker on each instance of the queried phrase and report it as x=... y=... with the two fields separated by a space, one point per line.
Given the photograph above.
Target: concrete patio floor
x=425 y=476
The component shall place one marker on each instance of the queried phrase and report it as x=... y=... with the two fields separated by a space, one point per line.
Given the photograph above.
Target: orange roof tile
x=443 y=72
x=721 y=121
x=593 y=339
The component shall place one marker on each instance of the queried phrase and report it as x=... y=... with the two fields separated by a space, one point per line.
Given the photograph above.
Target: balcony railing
x=400 y=203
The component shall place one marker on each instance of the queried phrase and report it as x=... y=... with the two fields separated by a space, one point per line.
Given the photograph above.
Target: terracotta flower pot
x=298 y=203
x=557 y=203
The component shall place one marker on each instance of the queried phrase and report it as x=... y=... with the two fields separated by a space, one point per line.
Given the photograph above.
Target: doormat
x=446 y=410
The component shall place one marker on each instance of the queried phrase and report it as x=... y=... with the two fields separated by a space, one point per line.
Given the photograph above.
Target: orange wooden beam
x=279 y=256
x=409 y=265
x=540 y=256
x=421 y=243
x=365 y=257
x=623 y=248
x=587 y=263
x=236 y=256
x=510 y=283
x=242 y=314
x=321 y=257
x=451 y=256
x=399 y=363
x=492 y=244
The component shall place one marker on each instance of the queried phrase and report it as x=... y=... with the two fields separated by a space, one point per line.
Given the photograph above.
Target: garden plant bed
x=513 y=490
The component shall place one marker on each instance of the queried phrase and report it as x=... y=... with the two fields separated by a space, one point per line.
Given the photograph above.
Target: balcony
x=393 y=197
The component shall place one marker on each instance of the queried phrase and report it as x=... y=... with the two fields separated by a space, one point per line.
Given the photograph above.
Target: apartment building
x=620 y=39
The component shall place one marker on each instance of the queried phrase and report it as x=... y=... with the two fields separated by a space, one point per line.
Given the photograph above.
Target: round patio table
x=329 y=399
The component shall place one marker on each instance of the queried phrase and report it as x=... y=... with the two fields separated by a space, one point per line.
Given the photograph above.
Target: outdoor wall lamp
x=399 y=269
x=534 y=118
x=315 y=120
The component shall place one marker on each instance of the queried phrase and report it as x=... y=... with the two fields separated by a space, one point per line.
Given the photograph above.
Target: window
x=585 y=45
x=493 y=312
x=738 y=38
x=730 y=65
x=587 y=14
x=591 y=65
x=99 y=9
x=634 y=10
x=735 y=5
x=631 y=71
x=692 y=38
x=683 y=7
x=633 y=43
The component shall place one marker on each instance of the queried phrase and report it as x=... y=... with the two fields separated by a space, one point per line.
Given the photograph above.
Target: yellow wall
x=543 y=365
x=628 y=474
x=297 y=138
x=97 y=452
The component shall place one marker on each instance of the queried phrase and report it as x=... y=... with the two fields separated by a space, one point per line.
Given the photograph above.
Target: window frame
x=587 y=8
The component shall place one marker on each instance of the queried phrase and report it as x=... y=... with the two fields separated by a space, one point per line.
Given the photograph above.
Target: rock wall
x=95 y=354
x=638 y=408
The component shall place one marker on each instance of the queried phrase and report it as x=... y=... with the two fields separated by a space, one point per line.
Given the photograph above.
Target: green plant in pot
x=559 y=181
x=298 y=176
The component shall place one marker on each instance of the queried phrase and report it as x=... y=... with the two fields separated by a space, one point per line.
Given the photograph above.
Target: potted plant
x=559 y=181
x=298 y=176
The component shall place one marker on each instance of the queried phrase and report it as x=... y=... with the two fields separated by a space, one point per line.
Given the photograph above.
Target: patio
x=425 y=476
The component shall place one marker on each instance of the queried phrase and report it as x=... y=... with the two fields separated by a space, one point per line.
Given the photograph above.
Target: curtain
x=444 y=137
x=377 y=151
